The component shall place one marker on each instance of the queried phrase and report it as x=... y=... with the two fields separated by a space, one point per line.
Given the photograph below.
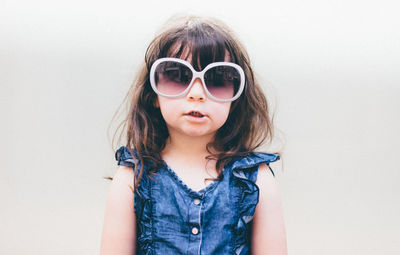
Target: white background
x=331 y=68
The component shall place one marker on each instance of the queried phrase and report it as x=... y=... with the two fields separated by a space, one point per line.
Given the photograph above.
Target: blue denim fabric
x=168 y=212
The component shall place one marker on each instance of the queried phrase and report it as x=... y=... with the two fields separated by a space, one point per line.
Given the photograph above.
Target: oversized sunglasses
x=173 y=78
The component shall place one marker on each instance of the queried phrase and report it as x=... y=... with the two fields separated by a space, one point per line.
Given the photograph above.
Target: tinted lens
x=223 y=81
x=172 y=78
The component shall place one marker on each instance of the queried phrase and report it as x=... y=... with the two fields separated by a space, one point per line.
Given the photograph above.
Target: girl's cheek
x=222 y=113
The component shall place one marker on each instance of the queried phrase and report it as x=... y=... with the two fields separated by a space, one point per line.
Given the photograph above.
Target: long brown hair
x=207 y=40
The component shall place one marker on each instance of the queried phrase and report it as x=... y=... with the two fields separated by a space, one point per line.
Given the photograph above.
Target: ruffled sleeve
x=124 y=157
x=255 y=159
x=245 y=171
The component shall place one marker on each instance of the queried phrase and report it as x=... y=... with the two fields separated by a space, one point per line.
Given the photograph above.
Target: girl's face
x=195 y=114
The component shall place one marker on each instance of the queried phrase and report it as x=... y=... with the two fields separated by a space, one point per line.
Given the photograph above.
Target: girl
x=190 y=181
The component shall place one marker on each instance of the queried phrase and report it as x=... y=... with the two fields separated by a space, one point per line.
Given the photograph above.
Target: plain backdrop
x=331 y=69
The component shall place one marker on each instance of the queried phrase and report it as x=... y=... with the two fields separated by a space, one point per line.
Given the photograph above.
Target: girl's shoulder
x=128 y=158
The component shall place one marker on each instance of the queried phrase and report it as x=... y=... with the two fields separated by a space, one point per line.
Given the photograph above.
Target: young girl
x=190 y=181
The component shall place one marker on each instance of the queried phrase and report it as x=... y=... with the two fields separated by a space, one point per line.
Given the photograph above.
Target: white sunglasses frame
x=199 y=75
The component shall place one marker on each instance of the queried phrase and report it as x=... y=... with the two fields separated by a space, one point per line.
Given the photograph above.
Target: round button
x=196 y=201
x=195 y=231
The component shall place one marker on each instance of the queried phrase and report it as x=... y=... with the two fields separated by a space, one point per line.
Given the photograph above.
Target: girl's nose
x=196 y=92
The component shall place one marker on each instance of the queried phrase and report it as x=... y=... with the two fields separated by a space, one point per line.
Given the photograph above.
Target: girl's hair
x=206 y=40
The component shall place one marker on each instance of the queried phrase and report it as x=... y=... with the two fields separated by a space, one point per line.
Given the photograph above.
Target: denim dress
x=172 y=218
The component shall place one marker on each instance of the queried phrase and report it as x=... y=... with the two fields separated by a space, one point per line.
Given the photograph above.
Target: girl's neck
x=187 y=156
x=189 y=147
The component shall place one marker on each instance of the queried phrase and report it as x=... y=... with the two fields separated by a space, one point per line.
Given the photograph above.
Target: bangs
x=200 y=44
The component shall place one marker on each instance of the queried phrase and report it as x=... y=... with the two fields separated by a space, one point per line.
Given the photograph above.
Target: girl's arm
x=119 y=229
x=269 y=236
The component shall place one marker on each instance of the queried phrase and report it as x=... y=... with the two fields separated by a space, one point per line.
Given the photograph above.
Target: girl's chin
x=195 y=132
x=198 y=120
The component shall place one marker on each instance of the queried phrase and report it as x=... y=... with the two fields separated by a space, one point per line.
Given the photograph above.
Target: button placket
x=196 y=202
x=194 y=224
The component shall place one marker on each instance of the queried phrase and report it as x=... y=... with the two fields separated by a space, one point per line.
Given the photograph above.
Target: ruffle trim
x=144 y=224
x=245 y=170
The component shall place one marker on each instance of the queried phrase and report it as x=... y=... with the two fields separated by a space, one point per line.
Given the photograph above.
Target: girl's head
x=200 y=41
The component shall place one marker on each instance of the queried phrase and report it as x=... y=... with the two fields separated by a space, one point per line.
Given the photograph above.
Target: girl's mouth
x=195 y=114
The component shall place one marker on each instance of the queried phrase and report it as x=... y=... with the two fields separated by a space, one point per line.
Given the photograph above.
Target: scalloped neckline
x=188 y=189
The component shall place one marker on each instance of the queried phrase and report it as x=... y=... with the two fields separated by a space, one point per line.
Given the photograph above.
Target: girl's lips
x=195 y=116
